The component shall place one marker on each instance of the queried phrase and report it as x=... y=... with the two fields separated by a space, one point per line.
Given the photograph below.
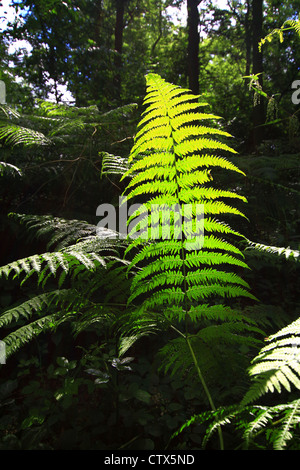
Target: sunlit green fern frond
x=8 y=112
x=287 y=252
x=289 y=424
x=277 y=366
x=13 y=134
x=113 y=164
x=86 y=273
x=287 y=26
x=279 y=423
x=170 y=165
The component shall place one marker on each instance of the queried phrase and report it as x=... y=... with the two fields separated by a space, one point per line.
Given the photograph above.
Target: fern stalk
x=206 y=390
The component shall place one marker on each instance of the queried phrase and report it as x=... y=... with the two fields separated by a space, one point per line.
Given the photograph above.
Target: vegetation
x=180 y=329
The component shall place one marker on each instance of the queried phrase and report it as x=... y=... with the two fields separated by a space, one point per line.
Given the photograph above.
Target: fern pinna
x=180 y=271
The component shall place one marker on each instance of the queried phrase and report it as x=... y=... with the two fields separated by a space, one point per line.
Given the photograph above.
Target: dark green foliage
x=89 y=313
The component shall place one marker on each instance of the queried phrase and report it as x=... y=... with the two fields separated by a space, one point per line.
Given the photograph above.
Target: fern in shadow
x=274 y=370
x=76 y=279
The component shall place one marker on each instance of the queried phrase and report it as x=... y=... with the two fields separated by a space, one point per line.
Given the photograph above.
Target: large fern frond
x=170 y=165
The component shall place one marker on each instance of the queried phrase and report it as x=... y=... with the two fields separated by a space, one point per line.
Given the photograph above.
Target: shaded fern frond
x=287 y=25
x=60 y=232
x=28 y=308
x=15 y=340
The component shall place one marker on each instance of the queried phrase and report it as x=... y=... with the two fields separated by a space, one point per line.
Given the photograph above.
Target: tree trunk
x=119 y=28
x=193 y=45
x=257 y=67
x=248 y=40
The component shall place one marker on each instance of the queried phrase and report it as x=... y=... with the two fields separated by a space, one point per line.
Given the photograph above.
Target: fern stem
x=183 y=258
x=206 y=390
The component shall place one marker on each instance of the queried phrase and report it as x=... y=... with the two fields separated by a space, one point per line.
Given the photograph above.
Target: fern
x=180 y=272
x=277 y=365
x=23 y=335
x=278 y=422
x=172 y=173
x=287 y=252
x=113 y=165
x=59 y=232
x=17 y=135
x=8 y=168
x=50 y=263
x=275 y=368
x=25 y=312
x=78 y=266
x=287 y=26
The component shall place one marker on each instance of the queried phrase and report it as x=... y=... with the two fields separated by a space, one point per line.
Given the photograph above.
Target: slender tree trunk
x=119 y=28
x=248 y=40
x=257 y=67
x=159 y=30
x=98 y=22
x=193 y=44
